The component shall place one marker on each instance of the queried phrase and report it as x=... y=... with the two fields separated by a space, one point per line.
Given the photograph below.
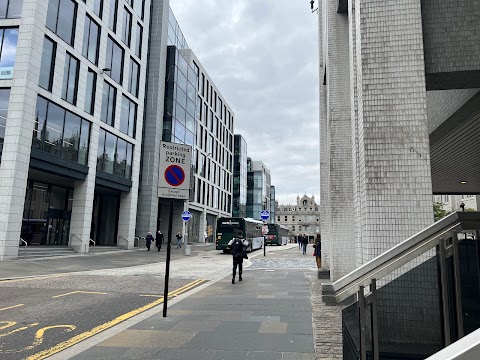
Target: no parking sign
x=174 y=173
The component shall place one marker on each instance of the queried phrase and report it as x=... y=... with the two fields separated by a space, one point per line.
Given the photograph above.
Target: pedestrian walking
x=159 y=240
x=179 y=240
x=148 y=240
x=318 y=251
x=304 y=243
x=238 y=250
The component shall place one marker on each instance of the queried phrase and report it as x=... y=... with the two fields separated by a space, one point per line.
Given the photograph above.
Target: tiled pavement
x=268 y=316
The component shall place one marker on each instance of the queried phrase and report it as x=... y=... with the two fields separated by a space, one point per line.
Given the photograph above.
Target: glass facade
x=258 y=189
x=60 y=132
x=61 y=19
x=114 y=155
x=8 y=50
x=91 y=40
x=4 y=99
x=175 y=35
x=114 y=60
x=179 y=124
x=10 y=9
x=48 y=63
x=239 y=177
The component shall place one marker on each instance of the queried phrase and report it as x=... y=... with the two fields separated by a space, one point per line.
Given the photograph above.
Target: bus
x=277 y=235
x=227 y=230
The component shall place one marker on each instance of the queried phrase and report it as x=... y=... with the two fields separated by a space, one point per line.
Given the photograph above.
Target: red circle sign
x=174 y=175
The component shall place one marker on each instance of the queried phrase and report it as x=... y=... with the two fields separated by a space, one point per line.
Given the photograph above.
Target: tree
x=438 y=211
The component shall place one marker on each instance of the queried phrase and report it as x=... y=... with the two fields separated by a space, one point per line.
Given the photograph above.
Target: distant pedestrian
x=238 y=250
x=159 y=240
x=462 y=206
x=304 y=243
x=179 y=240
x=299 y=241
x=318 y=251
x=149 y=239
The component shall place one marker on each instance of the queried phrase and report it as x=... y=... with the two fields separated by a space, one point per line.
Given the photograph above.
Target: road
x=39 y=313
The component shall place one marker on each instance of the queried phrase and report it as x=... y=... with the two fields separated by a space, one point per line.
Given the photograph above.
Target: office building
x=72 y=105
x=239 y=177
x=184 y=106
x=258 y=189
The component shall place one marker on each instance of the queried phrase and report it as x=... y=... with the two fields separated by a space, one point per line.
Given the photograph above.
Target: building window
x=112 y=18
x=8 y=50
x=134 y=75
x=114 y=155
x=70 y=79
x=60 y=132
x=278 y=218
x=139 y=41
x=47 y=64
x=128 y=117
x=114 y=60
x=98 y=7
x=4 y=100
x=10 y=9
x=61 y=19
x=91 y=39
x=90 y=92
x=139 y=7
x=109 y=101
x=286 y=218
x=127 y=27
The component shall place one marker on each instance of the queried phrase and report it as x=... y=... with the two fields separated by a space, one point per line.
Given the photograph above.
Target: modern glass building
x=192 y=111
x=258 y=189
x=71 y=110
x=239 y=177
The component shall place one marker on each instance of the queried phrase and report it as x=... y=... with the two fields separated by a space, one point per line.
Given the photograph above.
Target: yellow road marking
x=17 y=330
x=32 y=278
x=11 y=307
x=80 y=292
x=151 y=295
x=76 y=339
x=7 y=324
x=181 y=289
x=39 y=337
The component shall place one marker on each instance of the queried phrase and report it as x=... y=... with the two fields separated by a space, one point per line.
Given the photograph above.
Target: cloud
x=263 y=57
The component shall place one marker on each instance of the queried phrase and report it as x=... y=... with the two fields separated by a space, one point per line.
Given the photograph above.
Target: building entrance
x=47 y=213
x=106 y=206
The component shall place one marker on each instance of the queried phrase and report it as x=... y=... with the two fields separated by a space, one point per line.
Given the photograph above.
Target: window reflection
x=91 y=38
x=60 y=132
x=114 y=60
x=10 y=9
x=61 y=18
x=9 y=38
x=4 y=99
x=109 y=100
x=114 y=155
x=47 y=64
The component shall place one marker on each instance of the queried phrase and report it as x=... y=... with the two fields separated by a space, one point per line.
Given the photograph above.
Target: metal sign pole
x=167 y=269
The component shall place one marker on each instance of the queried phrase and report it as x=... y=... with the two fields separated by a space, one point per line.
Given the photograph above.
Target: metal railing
x=85 y=244
x=25 y=251
x=125 y=239
x=93 y=246
x=399 y=255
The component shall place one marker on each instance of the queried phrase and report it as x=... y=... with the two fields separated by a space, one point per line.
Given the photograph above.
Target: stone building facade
x=301 y=218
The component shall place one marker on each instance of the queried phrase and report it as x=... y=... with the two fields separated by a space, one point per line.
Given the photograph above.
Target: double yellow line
x=76 y=339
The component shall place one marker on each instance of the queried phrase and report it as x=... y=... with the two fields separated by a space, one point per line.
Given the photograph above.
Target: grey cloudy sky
x=263 y=57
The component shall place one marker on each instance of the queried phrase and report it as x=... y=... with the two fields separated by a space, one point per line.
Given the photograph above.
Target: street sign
x=174 y=170
x=186 y=215
x=264 y=230
x=265 y=214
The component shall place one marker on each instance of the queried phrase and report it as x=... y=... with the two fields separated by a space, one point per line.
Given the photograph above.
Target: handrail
x=83 y=241
x=399 y=255
x=93 y=245
x=25 y=251
x=123 y=237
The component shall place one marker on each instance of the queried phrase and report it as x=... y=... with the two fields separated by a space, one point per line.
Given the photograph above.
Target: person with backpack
x=238 y=247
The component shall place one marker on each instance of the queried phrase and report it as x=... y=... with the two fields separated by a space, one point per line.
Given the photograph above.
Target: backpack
x=237 y=247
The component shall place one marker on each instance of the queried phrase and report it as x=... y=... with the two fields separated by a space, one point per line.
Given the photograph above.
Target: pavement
x=267 y=316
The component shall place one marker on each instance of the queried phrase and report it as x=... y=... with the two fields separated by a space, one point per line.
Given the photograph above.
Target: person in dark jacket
x=159 y=240
x=237 y=248
x=179 y=240
x=149 y=239
x=304 y=243
x=299 y=241
x=318 y=251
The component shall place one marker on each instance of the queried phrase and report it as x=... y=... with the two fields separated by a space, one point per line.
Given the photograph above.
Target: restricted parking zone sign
x=174 y=173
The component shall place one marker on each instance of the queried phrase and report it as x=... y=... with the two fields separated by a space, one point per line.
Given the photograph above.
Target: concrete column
x=83 y=194
x=203 y=225
x=394 y=155
x=155 y=94
x=342 y=243
x=19 y=126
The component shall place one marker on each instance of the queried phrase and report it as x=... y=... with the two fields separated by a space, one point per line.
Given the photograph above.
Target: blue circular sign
x=174 y=175
x=186 y=215
x=265 y=214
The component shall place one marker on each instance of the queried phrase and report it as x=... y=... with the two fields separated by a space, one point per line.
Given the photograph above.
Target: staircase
x=44 y=251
